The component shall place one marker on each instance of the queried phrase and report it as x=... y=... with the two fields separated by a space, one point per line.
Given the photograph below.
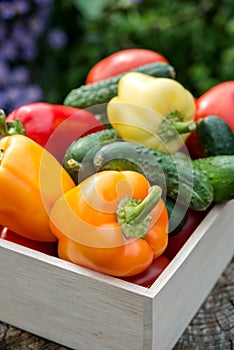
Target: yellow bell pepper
x=31 y=180
x=156 y=112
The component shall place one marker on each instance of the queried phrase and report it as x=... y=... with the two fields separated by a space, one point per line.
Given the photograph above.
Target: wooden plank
x=82 y=309
x=57 y=303
x=191 y=276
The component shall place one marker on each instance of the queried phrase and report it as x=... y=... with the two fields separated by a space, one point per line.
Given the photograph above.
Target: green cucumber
x=219 y=171
x=177 y=215
x=102 y=91
x=177 y=177
x=78 y=150
x=216 y=136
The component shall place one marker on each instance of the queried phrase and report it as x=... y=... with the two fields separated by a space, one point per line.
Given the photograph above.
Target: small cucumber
x=177 y=177
x=216 y=136
x=177 y=215
x=80 y=148
x=219 y=171
x=102 y=91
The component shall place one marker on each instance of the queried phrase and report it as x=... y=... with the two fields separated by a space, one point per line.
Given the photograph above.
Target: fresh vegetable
x=49 y=248
x=121 y=62
x=81 y=147
x=156 y=112
x=216 y=136
x=113 y=222
x=102 y=91
x=219 y=170
x=218 y=101
x=177 y=177
x=149 y=276
x=177 y=216
x=176 y=242
x=31 y=179
x=41 y=119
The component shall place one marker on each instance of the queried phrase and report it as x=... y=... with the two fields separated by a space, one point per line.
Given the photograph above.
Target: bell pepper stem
x=173 y=125
x=133 y=214
x=11 y=127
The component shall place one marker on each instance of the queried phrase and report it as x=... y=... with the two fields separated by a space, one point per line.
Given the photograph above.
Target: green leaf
x=91 y=9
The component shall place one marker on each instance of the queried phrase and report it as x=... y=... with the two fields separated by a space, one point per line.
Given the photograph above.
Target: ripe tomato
x=122 y=61
x=219 y=101
x=177 y=241
x=44 y=247
x=149 y=276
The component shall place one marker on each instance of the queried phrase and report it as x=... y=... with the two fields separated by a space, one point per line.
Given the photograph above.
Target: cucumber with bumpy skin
x=102 y=91
x=79 y=148
x=216 y=136
x=219 y=171
x=177 y=177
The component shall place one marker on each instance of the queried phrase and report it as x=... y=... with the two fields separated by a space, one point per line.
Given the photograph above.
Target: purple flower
x=34 y=93
x=21 y=7
x=9 y=50
x=3 y=31
x=44 y=2
x=57 y=38
x=6 y=10
x=4 y=73
x=20 y=75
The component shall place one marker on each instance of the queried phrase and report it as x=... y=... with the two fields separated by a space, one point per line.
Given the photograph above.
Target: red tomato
x=44 y=247
x=219 y=101
x=149 y=276
x=177 y=241
x=122 y=61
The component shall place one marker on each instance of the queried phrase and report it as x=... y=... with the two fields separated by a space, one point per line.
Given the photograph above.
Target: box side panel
x=196 y=269
x=67 y=307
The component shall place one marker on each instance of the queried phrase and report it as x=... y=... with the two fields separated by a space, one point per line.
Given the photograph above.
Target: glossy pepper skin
x=156 y=112
x=31 y=180
x=95 y=230
x=41 y=119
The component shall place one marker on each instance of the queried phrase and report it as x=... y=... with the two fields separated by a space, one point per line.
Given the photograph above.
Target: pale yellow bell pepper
x=155 y=112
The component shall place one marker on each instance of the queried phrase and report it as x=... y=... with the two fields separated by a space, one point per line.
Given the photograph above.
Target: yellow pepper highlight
x=156 y=112
x=31 y=180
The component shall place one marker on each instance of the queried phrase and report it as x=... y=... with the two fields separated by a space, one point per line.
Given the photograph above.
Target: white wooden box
x=86 y=310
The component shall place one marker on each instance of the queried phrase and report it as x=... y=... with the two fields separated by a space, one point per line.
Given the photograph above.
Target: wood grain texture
x=211 y=329
x=82 y=309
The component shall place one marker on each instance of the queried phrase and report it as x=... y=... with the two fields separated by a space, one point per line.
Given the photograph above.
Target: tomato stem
x=133 y=214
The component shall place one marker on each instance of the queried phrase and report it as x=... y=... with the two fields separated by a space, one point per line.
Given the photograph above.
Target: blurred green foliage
x=197 y=37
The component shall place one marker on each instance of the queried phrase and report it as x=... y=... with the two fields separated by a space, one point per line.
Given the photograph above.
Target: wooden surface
x=211 y=329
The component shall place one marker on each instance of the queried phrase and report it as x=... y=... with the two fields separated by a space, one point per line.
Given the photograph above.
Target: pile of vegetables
x=118 y=177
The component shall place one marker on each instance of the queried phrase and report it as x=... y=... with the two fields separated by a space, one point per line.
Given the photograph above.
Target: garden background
x=48 y=46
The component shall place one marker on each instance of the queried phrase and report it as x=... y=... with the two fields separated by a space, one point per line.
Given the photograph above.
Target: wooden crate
x=82 y=309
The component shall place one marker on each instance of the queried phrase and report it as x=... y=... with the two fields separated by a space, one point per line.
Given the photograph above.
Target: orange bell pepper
x=31 y=180
x=112 y=222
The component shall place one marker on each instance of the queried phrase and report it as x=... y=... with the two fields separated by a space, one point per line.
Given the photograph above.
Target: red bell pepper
x=176 y=242
x=41 y=119
x=49 y=248
x=149 y=276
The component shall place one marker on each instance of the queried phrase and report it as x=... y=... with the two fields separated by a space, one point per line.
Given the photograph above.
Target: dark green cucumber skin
x=80 y=148
x=219 y=171
x=177 y=216
x=216 y=136
x=177 y=177
x=102 y=91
